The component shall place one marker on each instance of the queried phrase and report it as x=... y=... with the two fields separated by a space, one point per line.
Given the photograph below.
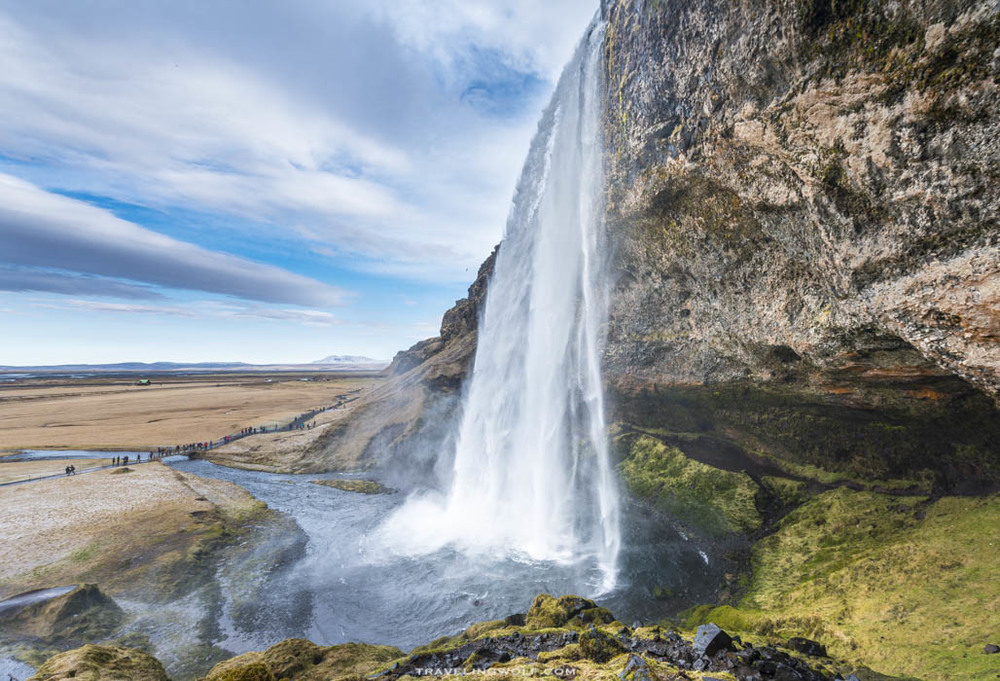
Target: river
x=347 y=585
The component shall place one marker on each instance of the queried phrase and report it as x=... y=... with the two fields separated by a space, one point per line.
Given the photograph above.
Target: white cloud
x=44 y=230
x=344 y=122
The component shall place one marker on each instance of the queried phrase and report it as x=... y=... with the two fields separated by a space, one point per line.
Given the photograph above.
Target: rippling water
x=348 y=586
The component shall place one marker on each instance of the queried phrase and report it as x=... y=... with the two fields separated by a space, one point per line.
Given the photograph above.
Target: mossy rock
x=84 y=614
x=102 y=663
x=252 y=671
x=573 y=612
x=230 y=669
x=570 y=653
x=597 y=646
x=359 y=486
x=119 y=471
x=303 y=660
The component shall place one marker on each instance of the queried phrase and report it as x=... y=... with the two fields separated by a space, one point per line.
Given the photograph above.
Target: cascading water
x=532 y=474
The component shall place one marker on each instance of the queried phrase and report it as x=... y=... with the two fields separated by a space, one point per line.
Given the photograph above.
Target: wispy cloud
x=22 y=279
x=42 y=229
x=203 y=310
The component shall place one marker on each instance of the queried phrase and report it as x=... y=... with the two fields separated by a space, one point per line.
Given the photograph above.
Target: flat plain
x=114 y=413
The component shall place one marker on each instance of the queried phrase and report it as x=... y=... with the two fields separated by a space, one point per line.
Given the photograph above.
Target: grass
x=707 y=499
x=788 y=492
x=905 y=587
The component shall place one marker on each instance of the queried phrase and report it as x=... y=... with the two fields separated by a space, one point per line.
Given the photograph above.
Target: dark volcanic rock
x=636 y=669
x=710 y=640
x=991 y=649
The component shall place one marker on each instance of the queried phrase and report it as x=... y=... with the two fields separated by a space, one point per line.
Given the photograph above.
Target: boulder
x=598 y=646
x=710 y=640
x=635 y=669
x=547 y=612
x=298 y=658
x=102 y=663
x=991 y=649
x=83 y=614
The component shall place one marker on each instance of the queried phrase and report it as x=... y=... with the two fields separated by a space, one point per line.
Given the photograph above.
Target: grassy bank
x=908 y=587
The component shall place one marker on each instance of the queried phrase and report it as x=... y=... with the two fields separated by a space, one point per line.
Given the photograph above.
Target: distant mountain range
x=341 y=362
x=349 y=359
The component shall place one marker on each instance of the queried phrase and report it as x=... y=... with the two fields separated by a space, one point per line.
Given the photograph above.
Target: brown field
x=115 y=414
x=16 y=471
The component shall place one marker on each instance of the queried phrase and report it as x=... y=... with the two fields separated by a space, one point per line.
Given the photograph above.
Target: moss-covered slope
x=907 y=586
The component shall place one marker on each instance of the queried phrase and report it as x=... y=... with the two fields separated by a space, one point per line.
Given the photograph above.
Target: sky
x=258 y=181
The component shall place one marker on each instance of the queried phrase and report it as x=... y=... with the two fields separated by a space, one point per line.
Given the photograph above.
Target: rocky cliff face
x=804 y=200
x=411 y=411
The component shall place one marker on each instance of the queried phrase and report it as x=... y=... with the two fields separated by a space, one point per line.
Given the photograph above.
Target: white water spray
x=532 y=471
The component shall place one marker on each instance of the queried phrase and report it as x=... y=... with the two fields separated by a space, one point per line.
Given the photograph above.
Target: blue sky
x=245 y=180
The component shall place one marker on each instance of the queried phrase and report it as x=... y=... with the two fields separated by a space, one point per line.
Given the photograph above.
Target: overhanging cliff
x=804 y=201
x=802 y=204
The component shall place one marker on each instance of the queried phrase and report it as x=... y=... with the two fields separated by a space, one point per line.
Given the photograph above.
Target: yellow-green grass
x=713 y=501
x=904 y=587
x=789 y=492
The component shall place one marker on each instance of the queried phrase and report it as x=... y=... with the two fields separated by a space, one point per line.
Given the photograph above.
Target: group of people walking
x=123 y=460
x=300 y=422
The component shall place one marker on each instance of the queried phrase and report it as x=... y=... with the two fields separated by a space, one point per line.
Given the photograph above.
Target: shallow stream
x=347 y=586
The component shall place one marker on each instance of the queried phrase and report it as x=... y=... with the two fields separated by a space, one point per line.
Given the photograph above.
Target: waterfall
x=532 y=473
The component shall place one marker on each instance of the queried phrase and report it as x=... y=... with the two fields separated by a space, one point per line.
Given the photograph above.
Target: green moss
x=301 y=659
x=854 y=34
x=711 y=500
x=573 y=612
x=788 y=492
x=94 y=663
x=688 y=210
x=597 y=646
x=255 y=671
x=87 y=552
x=908 y=588
x=569 y=653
